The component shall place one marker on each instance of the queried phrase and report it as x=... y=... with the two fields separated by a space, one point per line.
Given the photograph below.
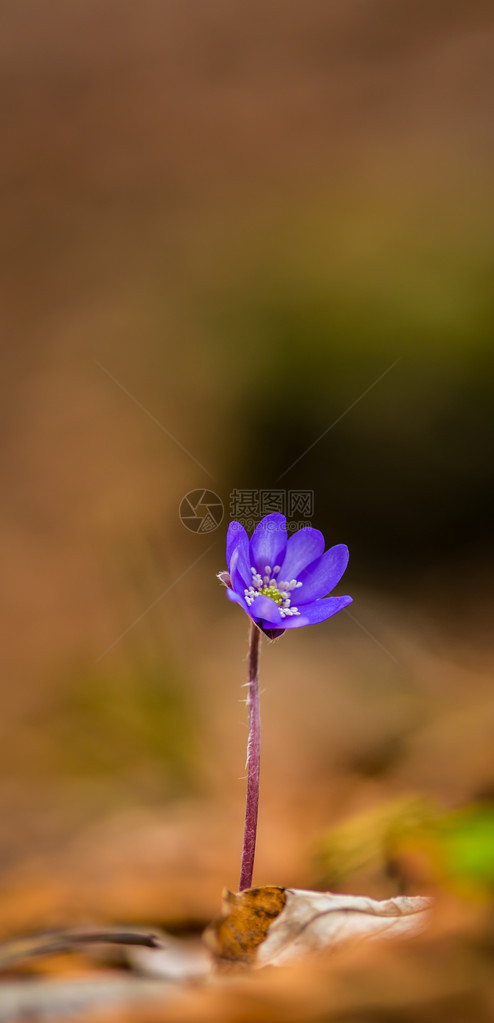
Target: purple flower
x=282 y=583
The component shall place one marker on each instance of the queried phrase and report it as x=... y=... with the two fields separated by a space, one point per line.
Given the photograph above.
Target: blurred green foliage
x=364 y=843
x=465 y=842
x=455 y=849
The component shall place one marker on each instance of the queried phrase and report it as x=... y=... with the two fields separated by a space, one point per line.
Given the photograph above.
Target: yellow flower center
x=266 y=586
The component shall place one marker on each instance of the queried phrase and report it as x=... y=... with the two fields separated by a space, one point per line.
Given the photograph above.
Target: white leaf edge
x=311 y=921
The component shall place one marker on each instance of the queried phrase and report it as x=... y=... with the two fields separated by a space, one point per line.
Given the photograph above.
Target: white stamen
x=273 y=589
x=287 y=611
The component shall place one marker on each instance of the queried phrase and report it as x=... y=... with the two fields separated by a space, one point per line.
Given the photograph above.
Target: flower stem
x=253 y=761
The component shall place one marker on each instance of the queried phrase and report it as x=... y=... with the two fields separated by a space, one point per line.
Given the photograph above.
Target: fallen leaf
x=235 y=936
x=273 y=926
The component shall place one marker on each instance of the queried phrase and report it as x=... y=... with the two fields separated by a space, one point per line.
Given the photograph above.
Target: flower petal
x=317 y=611
x=268 y=542
x=302 y=548
x=322 y=575
x=236 y=537
x=240 y=573
x=265 y=610
x=237 y=599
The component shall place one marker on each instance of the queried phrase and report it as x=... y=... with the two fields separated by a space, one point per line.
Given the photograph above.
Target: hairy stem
x=253 y=761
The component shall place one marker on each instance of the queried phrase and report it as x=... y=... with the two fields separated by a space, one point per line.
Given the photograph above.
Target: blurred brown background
x=227 y=227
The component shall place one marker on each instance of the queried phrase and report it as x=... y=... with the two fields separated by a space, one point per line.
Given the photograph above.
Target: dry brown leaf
x=243 y=924
x=273 y=926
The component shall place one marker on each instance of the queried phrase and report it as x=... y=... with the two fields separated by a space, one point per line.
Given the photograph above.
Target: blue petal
x=265 y=610
x=237 y=599
x=236 y=537
x=240 y=573
x=302 y=548
x=268 y=542
x=317 y=611
x=323 y=575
